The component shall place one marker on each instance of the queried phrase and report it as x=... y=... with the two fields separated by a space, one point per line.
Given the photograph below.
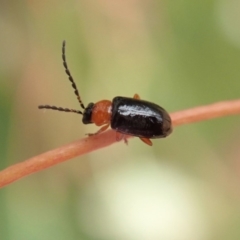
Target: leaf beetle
x=127 y=116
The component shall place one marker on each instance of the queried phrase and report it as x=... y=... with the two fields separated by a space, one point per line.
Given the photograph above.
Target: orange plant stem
x=89 y=144
x=202 y=113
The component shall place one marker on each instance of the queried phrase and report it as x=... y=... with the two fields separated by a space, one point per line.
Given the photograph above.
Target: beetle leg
x=147 y=141
x=102 y=129
x=125 y=139
x=120 y=136
x=136 y=96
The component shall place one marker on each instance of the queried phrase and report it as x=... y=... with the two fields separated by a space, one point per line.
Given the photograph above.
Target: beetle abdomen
x=140 y=118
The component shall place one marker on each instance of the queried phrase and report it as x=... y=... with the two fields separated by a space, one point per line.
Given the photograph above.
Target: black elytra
x=140 y=118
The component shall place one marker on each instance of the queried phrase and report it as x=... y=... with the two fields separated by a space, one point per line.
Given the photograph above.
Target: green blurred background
x=179 y=54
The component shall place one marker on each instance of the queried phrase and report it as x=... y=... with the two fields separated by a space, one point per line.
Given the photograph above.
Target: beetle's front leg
x=102 y=129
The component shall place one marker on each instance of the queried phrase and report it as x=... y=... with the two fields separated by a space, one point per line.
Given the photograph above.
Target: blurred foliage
x=179 y=54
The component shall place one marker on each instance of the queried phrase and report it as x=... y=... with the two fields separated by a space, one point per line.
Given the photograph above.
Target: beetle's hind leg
x=102 y=129
x=147 y=141
x=136 y=96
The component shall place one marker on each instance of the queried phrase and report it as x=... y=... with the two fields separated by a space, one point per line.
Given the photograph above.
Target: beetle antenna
x=70 y=76
x=59 y=109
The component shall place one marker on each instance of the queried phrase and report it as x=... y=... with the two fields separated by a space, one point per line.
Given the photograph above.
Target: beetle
x=127 y=116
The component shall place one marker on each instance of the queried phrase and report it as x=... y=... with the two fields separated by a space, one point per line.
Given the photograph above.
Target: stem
x=202 y=113
x=89 y=144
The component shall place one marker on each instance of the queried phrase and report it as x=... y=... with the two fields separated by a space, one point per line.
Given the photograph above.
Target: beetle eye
x=87 y=114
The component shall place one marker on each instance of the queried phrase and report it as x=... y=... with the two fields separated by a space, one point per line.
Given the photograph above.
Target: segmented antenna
x=70 y=76
x=59 y=109
x=73 y=85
